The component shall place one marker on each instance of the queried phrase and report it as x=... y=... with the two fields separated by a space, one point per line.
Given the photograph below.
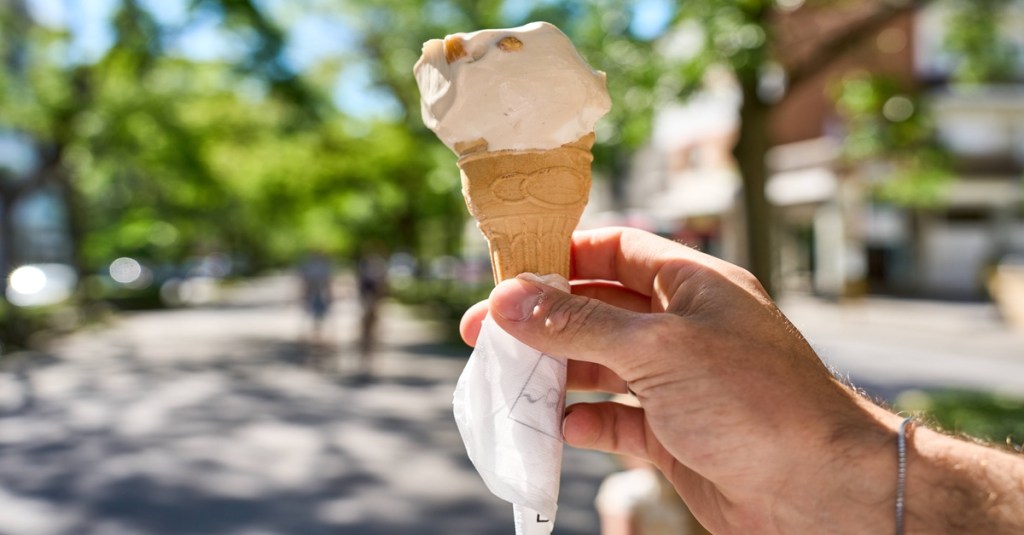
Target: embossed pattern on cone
x=527 y=203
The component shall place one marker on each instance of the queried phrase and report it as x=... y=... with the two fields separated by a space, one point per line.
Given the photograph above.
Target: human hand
x=736 y=408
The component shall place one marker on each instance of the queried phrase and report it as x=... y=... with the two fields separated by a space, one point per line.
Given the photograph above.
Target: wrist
x=847 y=479
x=952 y=486
x=863 y=469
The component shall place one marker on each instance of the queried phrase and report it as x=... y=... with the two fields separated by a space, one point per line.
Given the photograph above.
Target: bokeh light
x=28 y=280
x=125 y=270
x=40 y=284
x=898 y=109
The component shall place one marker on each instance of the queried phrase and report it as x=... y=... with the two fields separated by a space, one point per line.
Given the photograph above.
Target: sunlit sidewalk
x=889 y=345
x=213 y=420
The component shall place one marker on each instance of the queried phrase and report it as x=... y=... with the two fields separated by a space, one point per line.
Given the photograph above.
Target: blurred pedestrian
x=316 y=275
x=372 y=281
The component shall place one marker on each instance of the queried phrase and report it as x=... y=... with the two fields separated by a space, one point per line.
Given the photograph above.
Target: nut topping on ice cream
x=453 y=49
x=510 y=44
x=522 y=88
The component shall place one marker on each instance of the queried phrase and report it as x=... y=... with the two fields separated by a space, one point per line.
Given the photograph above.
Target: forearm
x=954 y=486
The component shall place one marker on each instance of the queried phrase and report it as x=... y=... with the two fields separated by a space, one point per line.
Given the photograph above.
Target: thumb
x=565 y=325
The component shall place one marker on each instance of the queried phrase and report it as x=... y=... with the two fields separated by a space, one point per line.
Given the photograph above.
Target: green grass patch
x=992 y=417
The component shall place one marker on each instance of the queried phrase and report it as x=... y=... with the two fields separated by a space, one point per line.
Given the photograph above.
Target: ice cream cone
x=527 y=203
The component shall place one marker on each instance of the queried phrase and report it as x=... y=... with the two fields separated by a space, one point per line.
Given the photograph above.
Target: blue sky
x=311 y=38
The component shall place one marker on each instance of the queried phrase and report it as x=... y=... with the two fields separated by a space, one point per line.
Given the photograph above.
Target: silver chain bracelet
x=901 y=470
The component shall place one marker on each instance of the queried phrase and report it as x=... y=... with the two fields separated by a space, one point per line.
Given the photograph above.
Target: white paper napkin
x=508 y=404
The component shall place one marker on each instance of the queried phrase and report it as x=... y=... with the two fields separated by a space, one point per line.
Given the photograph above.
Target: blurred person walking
x=372 y=283
x=316 y=275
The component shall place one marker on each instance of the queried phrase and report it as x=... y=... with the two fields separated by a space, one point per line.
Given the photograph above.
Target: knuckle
x=567 y=316
x=664 y=340
x=664 y=330
x=660 y=333
x=746 y=280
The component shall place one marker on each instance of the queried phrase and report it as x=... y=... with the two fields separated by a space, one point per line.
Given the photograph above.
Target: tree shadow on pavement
x=245 y=438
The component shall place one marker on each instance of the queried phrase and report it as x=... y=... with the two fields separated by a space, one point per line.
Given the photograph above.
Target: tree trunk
x=751 y=149
x=7 y=201
x=74 y=207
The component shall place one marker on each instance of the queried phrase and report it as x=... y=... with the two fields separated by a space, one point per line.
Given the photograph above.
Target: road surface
x=214 y=421
x=221 y=420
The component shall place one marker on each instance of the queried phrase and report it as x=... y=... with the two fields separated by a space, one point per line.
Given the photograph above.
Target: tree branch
x=835 y=47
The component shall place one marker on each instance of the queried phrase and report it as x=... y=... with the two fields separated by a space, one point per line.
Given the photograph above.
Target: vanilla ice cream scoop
x=522 y=88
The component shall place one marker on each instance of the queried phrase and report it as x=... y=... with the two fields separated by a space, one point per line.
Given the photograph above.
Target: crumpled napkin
x=508 y=405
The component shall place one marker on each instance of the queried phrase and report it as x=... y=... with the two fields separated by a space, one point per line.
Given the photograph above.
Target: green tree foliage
x=891 y=131
x=974 y=36
x=163 y=156
x=743 y=36
x=171 y=157
x=889 y=126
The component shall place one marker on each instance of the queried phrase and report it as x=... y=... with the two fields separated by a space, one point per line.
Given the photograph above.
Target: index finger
x=635 y=258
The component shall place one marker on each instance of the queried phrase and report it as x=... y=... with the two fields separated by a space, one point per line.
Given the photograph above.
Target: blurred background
x=234 y=258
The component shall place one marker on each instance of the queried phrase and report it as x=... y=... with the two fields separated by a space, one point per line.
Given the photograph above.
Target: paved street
x=212 y=421
x=890 y=345
x=215 y=421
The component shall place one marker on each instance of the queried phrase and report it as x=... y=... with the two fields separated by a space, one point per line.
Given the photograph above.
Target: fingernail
x=574 y=433
x=515 y=300
x=565 y=417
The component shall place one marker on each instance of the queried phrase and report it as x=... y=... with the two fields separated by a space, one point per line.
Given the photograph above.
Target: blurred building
x=831 y=237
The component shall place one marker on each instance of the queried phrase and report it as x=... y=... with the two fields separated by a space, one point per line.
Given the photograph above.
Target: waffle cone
x=527 y=203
